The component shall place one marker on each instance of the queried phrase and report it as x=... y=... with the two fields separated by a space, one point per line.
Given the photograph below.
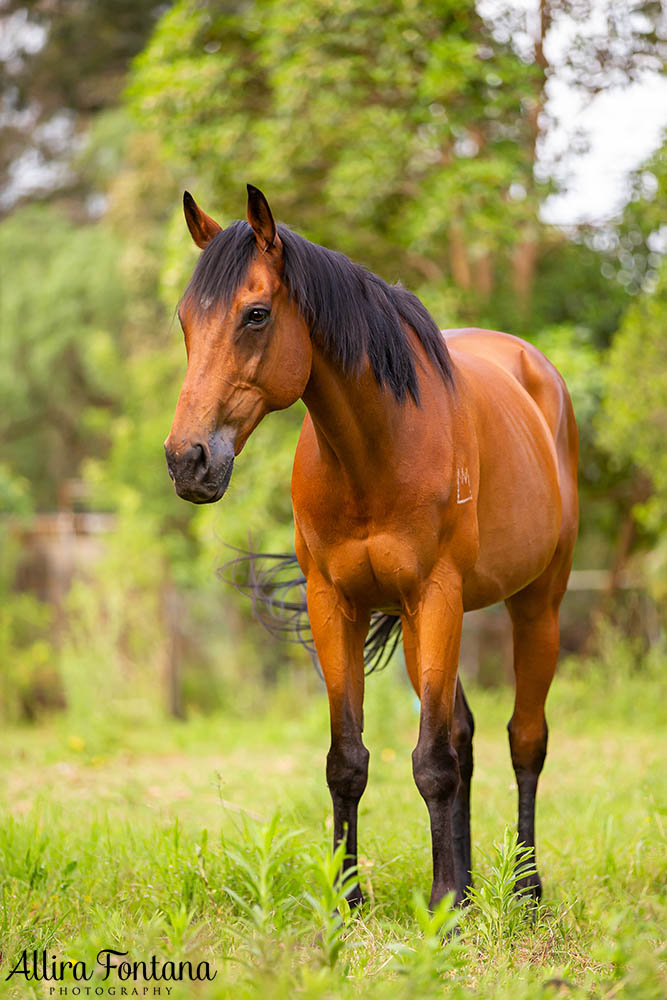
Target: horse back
x=541 y=380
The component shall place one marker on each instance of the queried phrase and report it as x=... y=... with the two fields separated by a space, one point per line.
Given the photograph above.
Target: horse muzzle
x=201 y=470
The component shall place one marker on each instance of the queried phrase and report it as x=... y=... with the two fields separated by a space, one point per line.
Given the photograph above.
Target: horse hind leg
x=462 y=733
x=534 y=614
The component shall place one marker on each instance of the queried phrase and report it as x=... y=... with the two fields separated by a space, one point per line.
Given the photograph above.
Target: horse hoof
x=463 y=898
x=355 y=897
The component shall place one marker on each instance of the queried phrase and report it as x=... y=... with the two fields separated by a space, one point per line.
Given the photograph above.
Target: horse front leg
x=436 y=625
x=463 y=728
x=339 y=633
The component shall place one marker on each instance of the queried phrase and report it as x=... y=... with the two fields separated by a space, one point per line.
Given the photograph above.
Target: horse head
x=247 y=343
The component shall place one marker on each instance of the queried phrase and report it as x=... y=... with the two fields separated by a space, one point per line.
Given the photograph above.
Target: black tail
x=277 y=588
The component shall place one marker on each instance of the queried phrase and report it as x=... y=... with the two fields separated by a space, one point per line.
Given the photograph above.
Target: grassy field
x=207 y=841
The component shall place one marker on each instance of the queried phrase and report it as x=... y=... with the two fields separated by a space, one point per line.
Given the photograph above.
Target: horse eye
x=257 y=316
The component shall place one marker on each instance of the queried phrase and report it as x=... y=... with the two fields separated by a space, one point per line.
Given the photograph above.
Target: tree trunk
x=458 y=257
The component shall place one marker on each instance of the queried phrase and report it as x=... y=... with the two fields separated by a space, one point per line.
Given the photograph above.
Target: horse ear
x=202 y=227
x=261 y=220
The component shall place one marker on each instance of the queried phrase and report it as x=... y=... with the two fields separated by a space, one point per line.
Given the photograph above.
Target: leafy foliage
x=405 y=122
x=438 y=950
x=499 y=910
x=62 y=297
x=29 y=675
x=633 y=423
x=63 y=63
x=640 y=234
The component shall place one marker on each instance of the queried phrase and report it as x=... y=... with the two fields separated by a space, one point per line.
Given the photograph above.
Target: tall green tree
x=406 y=133
x=62 y=64
x=639 y=238
x=632 y=425
x=62 y=303
x=396 y=131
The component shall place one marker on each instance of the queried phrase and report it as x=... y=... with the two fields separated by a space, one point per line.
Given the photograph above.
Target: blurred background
x=505 y=161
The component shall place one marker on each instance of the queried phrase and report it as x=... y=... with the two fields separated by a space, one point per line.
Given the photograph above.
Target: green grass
x=209 y=841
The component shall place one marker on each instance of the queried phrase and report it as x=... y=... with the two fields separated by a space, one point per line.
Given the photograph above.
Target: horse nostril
x=198 y=458
x=202 y=470
x=193 y=464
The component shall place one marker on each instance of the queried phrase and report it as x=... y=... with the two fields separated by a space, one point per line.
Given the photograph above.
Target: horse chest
x=376 y=562
x=381 y=569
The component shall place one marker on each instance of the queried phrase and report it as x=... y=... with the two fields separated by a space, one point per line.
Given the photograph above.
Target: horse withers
x=434 y=474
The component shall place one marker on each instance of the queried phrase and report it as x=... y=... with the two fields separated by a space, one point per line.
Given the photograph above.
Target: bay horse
x=434 y=474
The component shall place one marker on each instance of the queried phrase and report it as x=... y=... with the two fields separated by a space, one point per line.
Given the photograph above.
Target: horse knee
x=347 y=769
x=528 y=747
x=435 y=767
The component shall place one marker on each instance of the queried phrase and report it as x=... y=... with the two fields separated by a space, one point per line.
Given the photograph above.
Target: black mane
x=352 y=312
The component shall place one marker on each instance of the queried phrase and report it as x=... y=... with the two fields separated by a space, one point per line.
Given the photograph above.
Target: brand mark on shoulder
x=463 y=485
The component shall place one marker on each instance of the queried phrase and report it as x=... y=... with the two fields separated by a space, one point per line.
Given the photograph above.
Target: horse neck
x=358 y=425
